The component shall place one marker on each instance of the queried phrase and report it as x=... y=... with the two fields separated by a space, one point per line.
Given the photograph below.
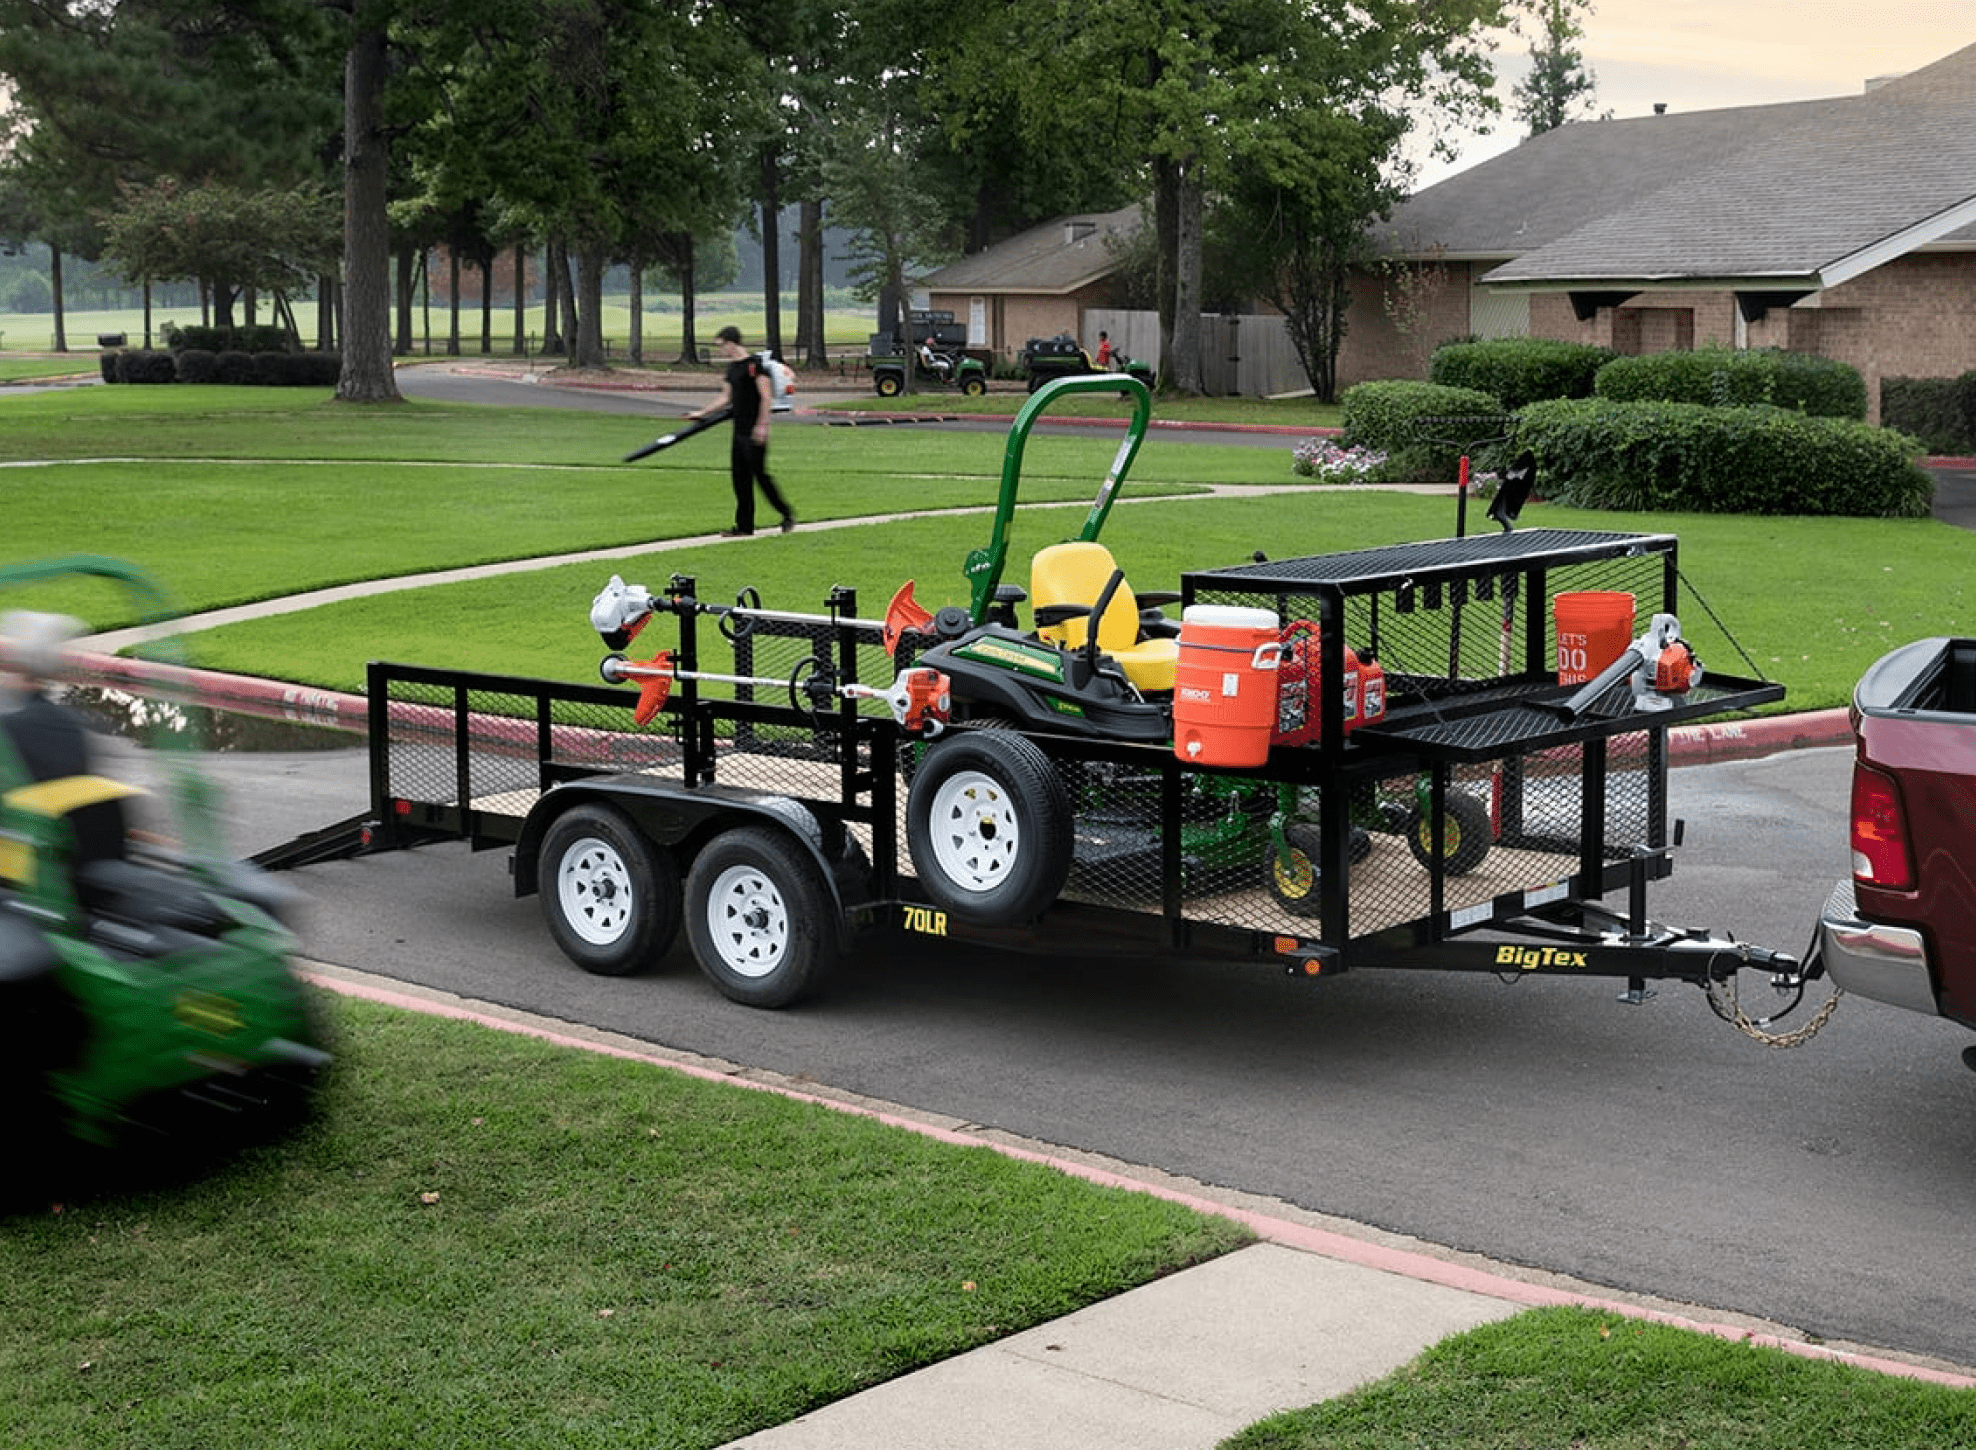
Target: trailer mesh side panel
x=1465 y=634
x=487 y=748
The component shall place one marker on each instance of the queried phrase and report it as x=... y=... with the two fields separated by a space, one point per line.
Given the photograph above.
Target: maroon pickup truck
x=1903 y=929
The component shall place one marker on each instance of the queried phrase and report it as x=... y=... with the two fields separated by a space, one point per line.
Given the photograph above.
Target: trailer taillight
x=1879 y=831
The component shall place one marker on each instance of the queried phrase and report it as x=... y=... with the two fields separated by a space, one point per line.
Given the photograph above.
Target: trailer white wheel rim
x=748 y=921
x=974 y=829
x=593 y=887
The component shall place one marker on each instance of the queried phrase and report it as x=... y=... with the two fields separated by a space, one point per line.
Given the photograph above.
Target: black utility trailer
x=775 y=806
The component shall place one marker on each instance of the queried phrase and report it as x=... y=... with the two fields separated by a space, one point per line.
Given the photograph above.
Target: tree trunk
x=366 y=375
x=1166 y=211
x=328 y=303
x=635 y=347
x=453 y=301
x=1187 y=283
x=55 y=286
x=487 y=261
x=689 y=342
x=590 y=306
x=552 y=315
x=771 y=252
x=521 y=300
x=566 y=287
x=810 y=341
x=407 y=294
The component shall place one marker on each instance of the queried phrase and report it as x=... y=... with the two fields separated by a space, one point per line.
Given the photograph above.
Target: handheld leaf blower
x=1661 y=664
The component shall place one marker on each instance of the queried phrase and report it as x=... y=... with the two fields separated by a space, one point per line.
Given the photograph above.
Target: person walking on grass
x=750 y=392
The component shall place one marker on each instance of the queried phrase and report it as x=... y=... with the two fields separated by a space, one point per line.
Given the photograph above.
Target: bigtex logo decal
x=1531 y=959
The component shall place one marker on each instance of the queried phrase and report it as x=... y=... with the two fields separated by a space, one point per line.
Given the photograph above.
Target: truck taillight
x=1879 y=831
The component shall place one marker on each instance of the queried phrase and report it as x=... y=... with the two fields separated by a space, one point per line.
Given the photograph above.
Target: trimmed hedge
x=198 y=365
x=1690 y=458
x=262 y=337
x=1520 y=370
x=1391 y=418
x=298 y=369
x=1940 y=412
x=238 y=369
x=1732 y=377
x=139 y=365
x=234 y=368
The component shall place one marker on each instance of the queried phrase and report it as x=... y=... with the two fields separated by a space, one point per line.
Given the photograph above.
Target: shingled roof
x=1784 y=199
x=1053 y=259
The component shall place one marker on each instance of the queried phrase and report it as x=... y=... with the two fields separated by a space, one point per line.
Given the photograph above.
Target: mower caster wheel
x=1293 y=882
x=1467 y=833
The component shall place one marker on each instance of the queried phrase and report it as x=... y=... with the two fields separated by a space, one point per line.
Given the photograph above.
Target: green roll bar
x=983 y=569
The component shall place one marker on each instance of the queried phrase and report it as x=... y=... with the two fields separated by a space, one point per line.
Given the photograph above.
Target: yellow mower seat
x=1076 y=573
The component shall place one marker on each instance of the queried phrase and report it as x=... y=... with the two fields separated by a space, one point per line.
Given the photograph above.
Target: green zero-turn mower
x=147 y=1002
x=1104 y=668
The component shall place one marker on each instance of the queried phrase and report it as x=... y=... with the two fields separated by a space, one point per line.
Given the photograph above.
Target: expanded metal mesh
x=493 y=749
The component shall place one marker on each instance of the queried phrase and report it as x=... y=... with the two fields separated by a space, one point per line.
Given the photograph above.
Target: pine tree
x=1559 y=79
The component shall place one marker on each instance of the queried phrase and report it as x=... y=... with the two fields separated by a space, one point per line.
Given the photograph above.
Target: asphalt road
x=1540 y=1122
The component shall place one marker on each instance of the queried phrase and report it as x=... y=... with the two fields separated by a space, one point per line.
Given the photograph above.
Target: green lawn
x=232 y=495
x=487 y=1240
x=844 y=329
x=1578 y=1379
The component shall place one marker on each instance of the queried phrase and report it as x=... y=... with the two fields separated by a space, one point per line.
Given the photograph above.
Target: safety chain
x=1736 y=1017
x=1708 y=609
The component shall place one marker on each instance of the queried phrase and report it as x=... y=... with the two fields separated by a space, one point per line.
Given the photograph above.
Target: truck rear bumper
x=1887 y=963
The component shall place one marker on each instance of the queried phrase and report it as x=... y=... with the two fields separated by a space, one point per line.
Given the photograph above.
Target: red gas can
x=1298 y=719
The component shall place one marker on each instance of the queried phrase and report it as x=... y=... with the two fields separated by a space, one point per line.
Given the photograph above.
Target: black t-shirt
x=742 y=385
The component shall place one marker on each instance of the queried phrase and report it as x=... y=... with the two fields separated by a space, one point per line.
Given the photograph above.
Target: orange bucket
x=1224 y=685
x=1593 y=630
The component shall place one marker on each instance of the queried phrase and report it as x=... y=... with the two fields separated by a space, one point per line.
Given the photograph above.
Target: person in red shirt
x=1104 y=358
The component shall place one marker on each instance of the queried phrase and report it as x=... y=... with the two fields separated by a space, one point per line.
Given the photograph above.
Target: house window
x=977 y=322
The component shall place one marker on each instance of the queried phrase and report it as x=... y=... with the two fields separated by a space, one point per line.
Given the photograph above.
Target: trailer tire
x=888 y=385
x=610 y=897
x=1467 y=833
x=758 y=917
x=989 y=827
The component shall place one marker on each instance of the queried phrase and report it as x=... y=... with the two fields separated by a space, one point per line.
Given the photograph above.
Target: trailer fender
x=684 y=819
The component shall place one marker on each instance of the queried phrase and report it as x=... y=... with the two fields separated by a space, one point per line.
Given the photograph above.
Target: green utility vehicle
x=930 y=351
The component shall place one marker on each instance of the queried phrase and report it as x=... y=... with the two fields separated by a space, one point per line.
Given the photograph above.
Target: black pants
x=748 y=461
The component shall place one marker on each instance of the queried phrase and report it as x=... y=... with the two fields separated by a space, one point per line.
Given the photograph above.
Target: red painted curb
x=1751 y=739
x=270 y=699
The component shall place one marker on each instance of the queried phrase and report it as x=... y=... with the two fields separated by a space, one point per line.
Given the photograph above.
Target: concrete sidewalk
x=1181 y=1363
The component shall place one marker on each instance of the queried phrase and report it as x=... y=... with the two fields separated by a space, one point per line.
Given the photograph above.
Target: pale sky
x=1704 y=55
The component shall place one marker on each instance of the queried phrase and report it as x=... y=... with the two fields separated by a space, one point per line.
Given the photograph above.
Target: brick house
x=1843 y=227
x=1036 y=284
